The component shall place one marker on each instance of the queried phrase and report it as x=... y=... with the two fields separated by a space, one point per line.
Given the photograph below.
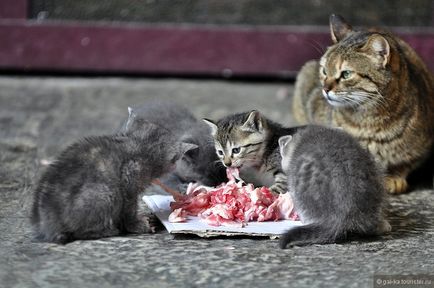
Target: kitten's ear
x=186 y=147
x=212 y=125
x=130 y=111
x=339 y=28
x=377 y=49
x=253 y=122
x=188 y=139
x=284 y=140
x=131 y=115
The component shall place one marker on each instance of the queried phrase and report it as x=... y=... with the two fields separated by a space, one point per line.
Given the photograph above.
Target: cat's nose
x=227 y=163
x=326 y=91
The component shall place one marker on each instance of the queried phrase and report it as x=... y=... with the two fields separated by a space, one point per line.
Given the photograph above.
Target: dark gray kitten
x=335 y=184
x=249 y=141
x=197 y=165
x=91 y=191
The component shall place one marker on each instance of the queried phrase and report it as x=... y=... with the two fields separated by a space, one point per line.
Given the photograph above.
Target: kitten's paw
x=151 y=223
x=384 y=227
x=145 y=223
x=395 y=184
x=277 y=190
x=61 y=238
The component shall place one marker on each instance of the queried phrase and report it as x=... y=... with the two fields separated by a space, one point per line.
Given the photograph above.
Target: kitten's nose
x=326 y=90
x=227 y=163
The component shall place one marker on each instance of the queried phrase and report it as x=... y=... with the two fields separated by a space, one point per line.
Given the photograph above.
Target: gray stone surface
x=40 y=116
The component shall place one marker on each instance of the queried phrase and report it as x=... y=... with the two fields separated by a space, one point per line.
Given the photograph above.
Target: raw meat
x=232 y=203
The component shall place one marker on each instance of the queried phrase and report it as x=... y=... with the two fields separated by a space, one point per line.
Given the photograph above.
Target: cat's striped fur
x=374 y=86
x=251 y=140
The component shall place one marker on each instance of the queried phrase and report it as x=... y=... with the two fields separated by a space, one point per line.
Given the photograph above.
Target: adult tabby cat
x=374 y=86
x=250 y=140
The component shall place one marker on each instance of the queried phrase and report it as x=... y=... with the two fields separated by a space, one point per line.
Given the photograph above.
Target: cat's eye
x=220 y=152
x=323 y=70
x=346 y=74
x=236 y=150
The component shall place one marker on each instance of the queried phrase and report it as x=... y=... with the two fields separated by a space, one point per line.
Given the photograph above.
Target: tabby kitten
x=197 y=165
x=91 y=191
x=374 y=86
x=249 y=140
x=336 y=188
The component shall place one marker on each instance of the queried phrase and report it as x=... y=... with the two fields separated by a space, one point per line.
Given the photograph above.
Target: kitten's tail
x=315 y=233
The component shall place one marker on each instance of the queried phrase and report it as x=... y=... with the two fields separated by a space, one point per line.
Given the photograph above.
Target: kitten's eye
x=220 y=152
x=236 y=150
x=346 y=74
x=323 y=70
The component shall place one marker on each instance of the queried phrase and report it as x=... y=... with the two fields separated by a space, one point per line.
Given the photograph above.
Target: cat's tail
x=315 y=233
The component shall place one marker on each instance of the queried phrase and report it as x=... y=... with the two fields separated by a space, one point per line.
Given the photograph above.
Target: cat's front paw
x=146 y=223
x=151 y=223
x=395 y=184
x=384 y=227
x=277 y=190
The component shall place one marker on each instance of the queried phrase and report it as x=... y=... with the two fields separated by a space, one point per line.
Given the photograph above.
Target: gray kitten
x=91 y=191
x=335 y=185
x=197 y=165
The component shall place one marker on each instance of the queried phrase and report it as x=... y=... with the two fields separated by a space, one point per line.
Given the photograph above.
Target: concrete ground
x=40 y=116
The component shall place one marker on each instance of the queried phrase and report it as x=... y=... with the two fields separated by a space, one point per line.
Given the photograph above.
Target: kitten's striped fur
x=374 y=86
x=249 y=139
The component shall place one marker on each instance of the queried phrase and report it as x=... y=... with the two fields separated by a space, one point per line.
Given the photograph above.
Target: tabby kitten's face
x=355 y=69
x=239 y=139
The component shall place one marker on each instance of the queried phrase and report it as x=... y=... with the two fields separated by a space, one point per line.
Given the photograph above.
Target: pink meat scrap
x=232 y=203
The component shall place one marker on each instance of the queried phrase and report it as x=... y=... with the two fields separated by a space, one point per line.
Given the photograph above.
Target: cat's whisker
x=366 y=98
x=386 y=100
x=356 y=101
x=317 y=46
x=369 y=99
x=346 y=99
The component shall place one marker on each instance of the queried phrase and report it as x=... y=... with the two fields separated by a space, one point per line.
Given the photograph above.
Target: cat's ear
x=188 y=139
x=284 y=140
x=253 y=123
x=186 y=147
x=339 y=28
x=212 y=125
x=377 y=49
x=130 y=111
x=131 y=116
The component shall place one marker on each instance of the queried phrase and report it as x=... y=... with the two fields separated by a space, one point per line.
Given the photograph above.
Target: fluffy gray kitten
x=91 y=191
x=197 y=165
x=335 y=185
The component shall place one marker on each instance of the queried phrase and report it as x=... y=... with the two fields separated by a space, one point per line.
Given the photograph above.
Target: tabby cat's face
x=239 y=139
x=354 y=71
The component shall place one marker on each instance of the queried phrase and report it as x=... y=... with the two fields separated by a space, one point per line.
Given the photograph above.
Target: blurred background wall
x=240 y=12
x=194 y=38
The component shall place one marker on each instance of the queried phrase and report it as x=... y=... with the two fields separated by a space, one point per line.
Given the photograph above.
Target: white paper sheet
x=160 y=205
